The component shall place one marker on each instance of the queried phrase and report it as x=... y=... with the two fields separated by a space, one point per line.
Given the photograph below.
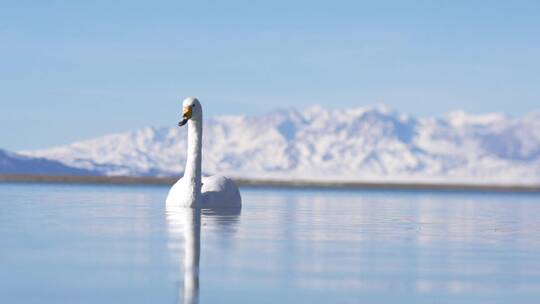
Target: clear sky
x=76 y=69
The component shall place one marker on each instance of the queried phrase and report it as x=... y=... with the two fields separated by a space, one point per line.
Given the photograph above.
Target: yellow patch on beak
x=187 y=112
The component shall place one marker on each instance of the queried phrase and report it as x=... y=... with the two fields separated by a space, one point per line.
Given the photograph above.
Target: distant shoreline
x=132 y=180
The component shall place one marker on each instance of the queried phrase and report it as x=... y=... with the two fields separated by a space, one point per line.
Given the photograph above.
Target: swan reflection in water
x=187 y=222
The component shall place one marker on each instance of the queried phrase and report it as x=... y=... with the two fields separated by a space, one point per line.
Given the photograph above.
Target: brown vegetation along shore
x=131 y=180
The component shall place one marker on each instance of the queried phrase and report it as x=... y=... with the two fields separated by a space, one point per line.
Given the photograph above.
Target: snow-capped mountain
x=362 y=144
x=11 y=163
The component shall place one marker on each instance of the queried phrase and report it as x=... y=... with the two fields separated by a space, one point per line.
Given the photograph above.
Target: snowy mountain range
x=361 y=144
x=11 y=163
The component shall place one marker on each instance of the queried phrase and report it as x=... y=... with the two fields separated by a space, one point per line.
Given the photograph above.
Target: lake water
x=118 y=244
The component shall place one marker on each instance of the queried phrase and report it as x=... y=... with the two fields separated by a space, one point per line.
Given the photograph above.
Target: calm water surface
x=118 y=244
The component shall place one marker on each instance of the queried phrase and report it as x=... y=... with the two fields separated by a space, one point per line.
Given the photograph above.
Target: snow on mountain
x=11 y=163
x=367 y=143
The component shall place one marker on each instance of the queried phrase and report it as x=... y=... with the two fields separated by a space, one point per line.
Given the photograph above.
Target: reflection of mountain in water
x=187 y=221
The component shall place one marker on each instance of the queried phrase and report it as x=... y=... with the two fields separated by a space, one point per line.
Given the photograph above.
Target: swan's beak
x=186 y=115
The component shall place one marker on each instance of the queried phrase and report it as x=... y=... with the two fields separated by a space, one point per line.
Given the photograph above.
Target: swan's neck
x=192 y=173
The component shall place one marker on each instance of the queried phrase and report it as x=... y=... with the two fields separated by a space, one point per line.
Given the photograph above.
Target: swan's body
x=193 y=190
x=216 y=191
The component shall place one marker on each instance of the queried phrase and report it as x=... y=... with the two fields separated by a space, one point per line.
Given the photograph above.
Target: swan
x=193 y=190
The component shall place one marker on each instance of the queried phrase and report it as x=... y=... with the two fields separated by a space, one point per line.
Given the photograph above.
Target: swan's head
x=192 y=110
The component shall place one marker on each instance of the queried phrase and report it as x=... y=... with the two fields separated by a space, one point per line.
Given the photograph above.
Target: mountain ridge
x=12 y=163
x=362 y=143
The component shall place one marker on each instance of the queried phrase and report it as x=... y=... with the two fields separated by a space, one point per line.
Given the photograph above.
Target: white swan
x=192 y=190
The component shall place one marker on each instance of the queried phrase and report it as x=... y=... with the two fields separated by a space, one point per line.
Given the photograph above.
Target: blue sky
x=76 y=69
